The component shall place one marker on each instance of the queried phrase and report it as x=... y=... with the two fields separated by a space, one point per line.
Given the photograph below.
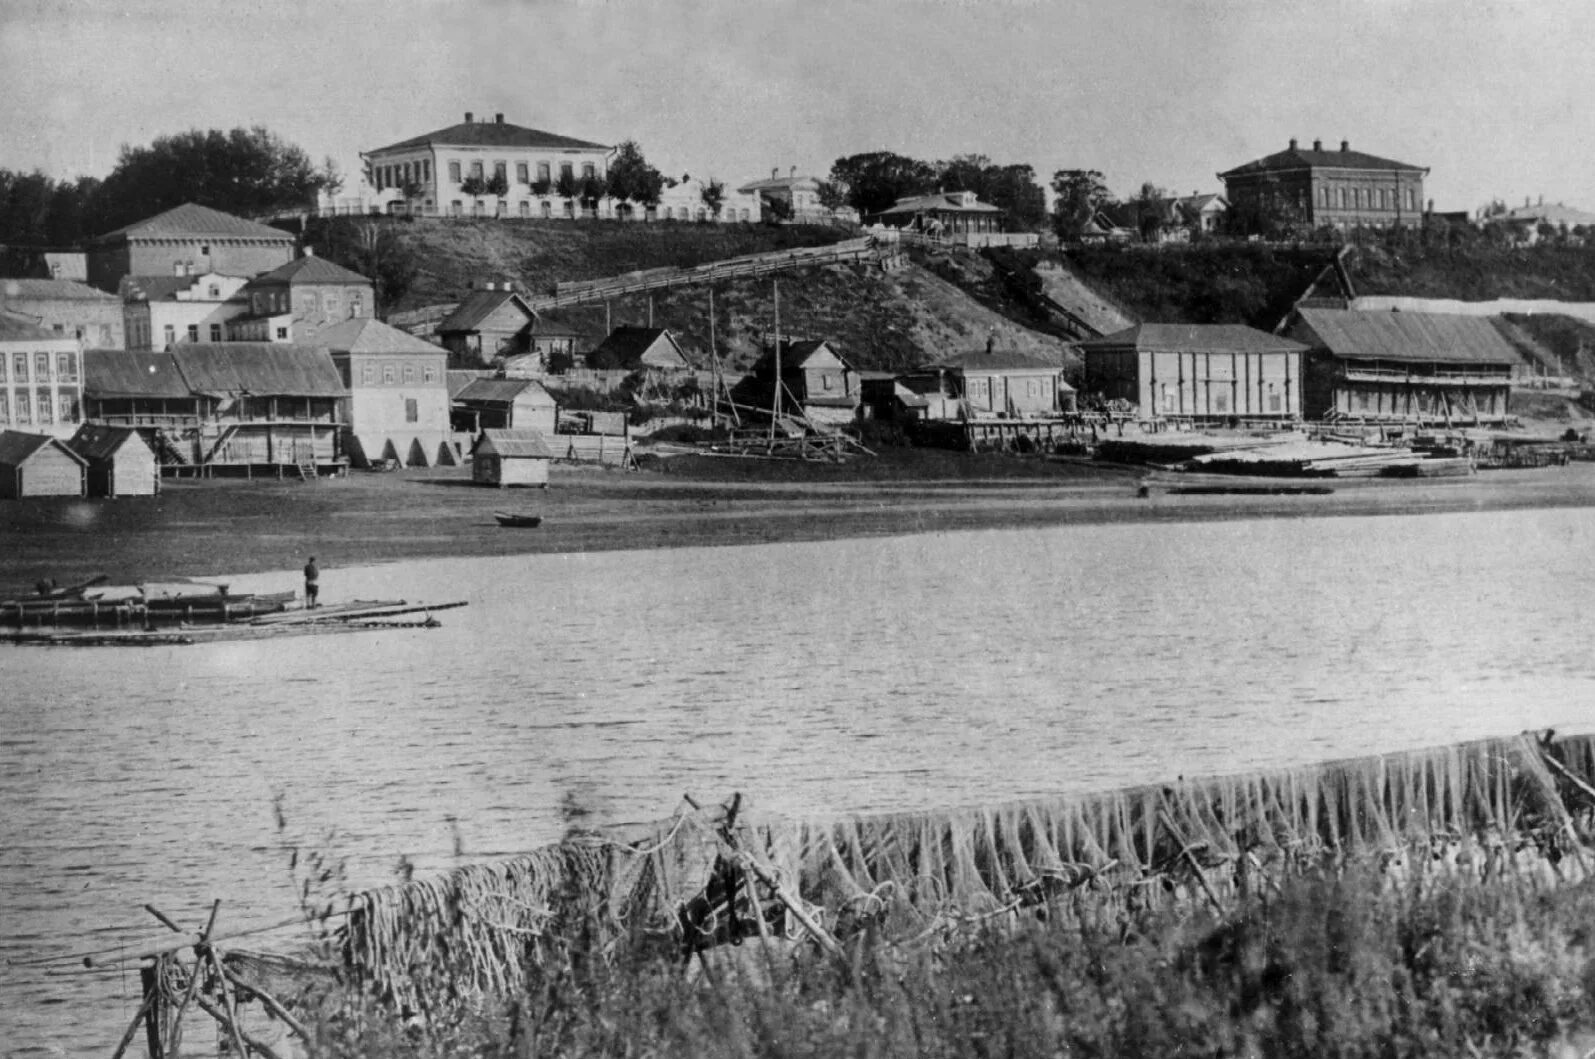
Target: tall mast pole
x=714 y=358
x=775 y=404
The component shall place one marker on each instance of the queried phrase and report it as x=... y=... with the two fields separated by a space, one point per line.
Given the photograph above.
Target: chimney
x=1318 y=145
x=498 y=119
x=467 y=117
x=1292 y=146
x=774 y=173
x=1345 y=145
x=794 y=172
x=308 y=251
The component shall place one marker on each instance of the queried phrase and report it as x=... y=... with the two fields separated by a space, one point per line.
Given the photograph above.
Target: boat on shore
x=518 y=520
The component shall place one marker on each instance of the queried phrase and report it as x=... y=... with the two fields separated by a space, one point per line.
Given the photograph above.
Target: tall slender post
x=775 y=404
x=714 y=360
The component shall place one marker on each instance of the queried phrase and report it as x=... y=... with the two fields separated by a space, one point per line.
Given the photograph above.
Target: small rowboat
x=509 y=518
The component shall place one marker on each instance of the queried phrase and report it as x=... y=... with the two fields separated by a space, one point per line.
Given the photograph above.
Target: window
x=429 y=373
x=193 y=332
x=426 y=170
x=565 y=170
x=24 y=416
x=548 y=211
x=215 y=291
x=570 y=209
x=282 y=334
x=409 y=373
x=588 y=171
x=412 y=410
x=329 y=302
x=476 y=170
x=388 y=374
x=543 y=173
x=526 y=208
x=523 y=173
x=356 y=305
x=307 y=301
x=501 y=171
x=454 y=207
x=368 y=374
x=454 y=172
x=68 y=408
x=43 y=409
x=19 y=368
x=66 y=367
x=41 y=367
x=171 y=335
x=5 y=408
x=204 y=249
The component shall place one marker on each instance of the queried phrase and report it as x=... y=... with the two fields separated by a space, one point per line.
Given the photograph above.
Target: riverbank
x=219 y=526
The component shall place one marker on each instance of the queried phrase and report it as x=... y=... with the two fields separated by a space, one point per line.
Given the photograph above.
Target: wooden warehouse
x=511 y=457
x=38 y=465
x=1197 y=372
x=119 y=461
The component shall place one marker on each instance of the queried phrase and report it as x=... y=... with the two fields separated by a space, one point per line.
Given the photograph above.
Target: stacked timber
x=1174 y=448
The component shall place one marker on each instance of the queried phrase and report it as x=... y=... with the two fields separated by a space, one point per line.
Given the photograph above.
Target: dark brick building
x=1338 y=189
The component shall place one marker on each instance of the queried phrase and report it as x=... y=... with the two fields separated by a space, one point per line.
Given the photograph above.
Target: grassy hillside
x=1475 y=273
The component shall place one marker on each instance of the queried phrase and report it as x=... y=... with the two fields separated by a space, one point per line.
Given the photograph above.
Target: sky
x=1495 y=98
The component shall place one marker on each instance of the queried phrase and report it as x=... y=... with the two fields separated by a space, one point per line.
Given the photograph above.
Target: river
x=826 y=678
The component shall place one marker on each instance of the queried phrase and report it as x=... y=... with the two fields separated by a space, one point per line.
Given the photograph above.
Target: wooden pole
x=221 y=1017
x=775 y=404
x=231 y=1008
x=270 y=1003
x=132 y=1027
x=193 y=982
x=149 y=976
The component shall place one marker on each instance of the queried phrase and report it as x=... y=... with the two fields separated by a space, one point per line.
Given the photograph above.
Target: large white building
x=445 y=172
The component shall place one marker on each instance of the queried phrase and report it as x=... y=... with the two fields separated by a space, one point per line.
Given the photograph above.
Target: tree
x=632 y=179
x=1080 y=192
x=473 y=185
x=566 y=187
x=1151 y=205
x=777 y=210
x=832 y=195
x=497 y=185
x=713 y=196
x=245 y=171
x=1013 y=189
x=593 y=190
x=874 y=181
x=1267 y=210
x=376 y=250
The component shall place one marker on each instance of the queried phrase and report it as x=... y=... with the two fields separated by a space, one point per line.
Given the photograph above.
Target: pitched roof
x=51 y=290
x=95 y=441
x=14 y=327
x=493 y=134
x=1294 y=157
x=277 y=368
x=1553 y=214
x=459 y=380
x=194 y=219
x=795 y=352
x=501 y=391
x=366 y=335
x=949 y=202
x=1408 y=336
x=779 y=183
x=519 y=442
x=627 y=345
x=118 y=373
x=1194 y=338
x=997 y=360
x=309 y=269
x=16 y=447
x=478 y=306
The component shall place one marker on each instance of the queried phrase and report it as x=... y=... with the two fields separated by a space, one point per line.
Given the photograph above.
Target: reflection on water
x=818 y=678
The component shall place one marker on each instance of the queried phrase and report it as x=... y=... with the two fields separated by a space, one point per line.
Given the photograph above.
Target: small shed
x=38 y=465
x=120 y=462
x=511 y=457
x=639 y=349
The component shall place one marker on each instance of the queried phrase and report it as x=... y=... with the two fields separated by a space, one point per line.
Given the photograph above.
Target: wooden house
x=511 y=457
x=815 y=377
x=38 y=465
x=1197 y=371
x=1408 y=367
x=503 y=404
x=119 y=461
x=943 y=213
x=991 y=384
x=912 y=397
x=41 y=384
x=650 y=349
x=490 y=325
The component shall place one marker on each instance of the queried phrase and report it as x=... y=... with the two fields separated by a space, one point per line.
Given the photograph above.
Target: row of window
x=40 y=408
x=273 y=302
x=400 y=174
x=1358 y=198
x=37 y=367
x=391 y=373
x=567 y=210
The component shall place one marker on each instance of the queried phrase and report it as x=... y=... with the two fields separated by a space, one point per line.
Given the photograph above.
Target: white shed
x=511 y=457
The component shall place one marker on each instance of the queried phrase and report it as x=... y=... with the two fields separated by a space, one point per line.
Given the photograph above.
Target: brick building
x=1336 y=189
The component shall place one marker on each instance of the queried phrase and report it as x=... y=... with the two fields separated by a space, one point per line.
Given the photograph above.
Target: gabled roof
x=115 y=373
x=502 y=391
x=14 y=327
x=941 y=202
x=16 y=447
x=278 y=369
x=1557 y=214
x=779 y=183
x=95 y=441
x=365 y=335
x=478 y=306
x=519 y=442
x=997 y=360
x=191 y=219
x=796 y=353
x=626 y=347
x=459 y=380
x=308 y=269
x=1193 y=338
x=51 y=290
x=493 y=134
x=1293 y=158
x=1406 y=336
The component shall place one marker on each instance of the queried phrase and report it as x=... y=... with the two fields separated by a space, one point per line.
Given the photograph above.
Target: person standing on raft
x=312 y=583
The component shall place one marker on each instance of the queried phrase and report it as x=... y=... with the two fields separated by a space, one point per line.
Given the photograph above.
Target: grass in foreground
x=1350 y=966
